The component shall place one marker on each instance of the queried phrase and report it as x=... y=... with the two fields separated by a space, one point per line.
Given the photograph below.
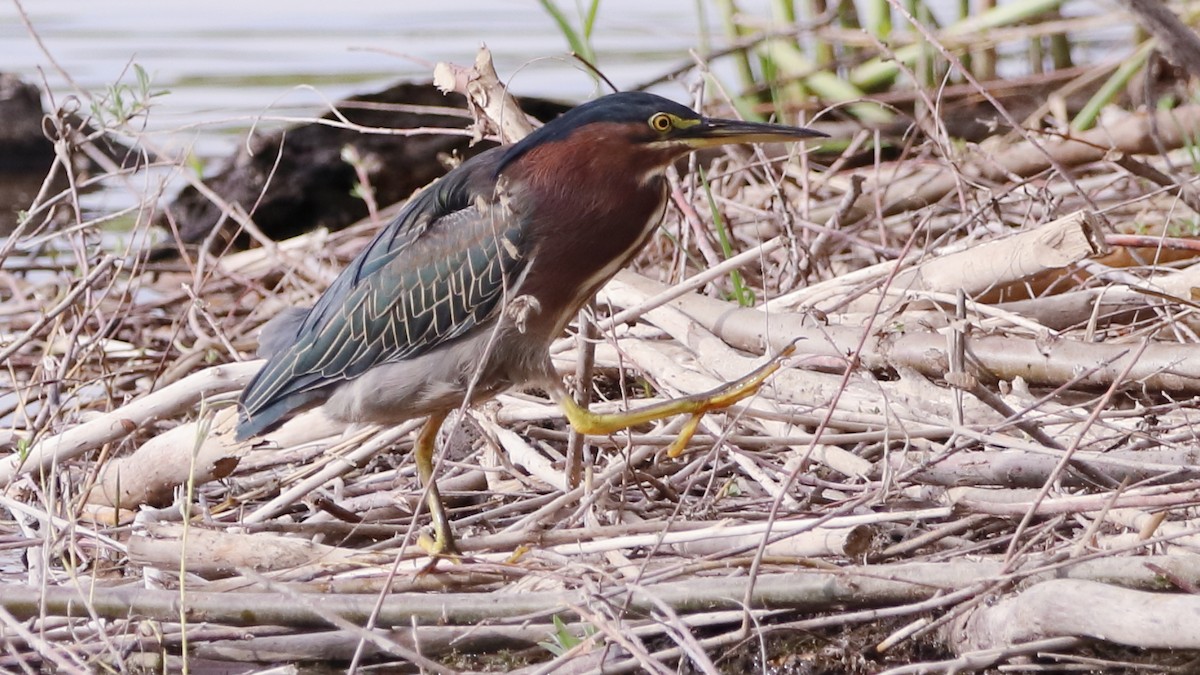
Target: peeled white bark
x=1080 y=608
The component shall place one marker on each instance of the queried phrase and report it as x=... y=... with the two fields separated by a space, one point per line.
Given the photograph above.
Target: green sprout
x=562 y=640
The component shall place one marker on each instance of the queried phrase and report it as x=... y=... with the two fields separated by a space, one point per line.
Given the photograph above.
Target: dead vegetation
x=981 y=452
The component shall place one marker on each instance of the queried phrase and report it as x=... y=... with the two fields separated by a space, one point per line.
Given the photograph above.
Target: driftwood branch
x=1081 y=608
x=1138 y=133
x=189 y=452
x=487 y=97
x=1165 y=367
x=805 y=589
x=165 y=402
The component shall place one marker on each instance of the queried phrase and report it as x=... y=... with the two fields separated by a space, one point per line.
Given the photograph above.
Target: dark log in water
x=297 y=180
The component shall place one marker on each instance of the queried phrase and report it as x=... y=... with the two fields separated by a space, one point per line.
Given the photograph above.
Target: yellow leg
x=442 y=543
x=587 y=422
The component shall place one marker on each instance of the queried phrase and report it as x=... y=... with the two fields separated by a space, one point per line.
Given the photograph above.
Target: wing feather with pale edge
x=435 y=272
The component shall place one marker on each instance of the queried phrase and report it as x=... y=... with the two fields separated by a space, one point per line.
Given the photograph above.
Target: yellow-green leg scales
x=586 y=422
x=443 y=539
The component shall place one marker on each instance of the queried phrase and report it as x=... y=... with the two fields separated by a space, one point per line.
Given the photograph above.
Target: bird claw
x=685 y=436
x=724 y=396
x=745 y=386
x=439 y=548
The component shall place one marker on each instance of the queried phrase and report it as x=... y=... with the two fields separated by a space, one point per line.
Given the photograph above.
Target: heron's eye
x=661 y=122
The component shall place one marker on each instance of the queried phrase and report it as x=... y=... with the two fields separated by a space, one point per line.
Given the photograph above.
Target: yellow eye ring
x=661 y=122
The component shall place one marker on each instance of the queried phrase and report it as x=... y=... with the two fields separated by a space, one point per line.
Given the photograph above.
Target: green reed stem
x=742 y=294
x=1113 y=87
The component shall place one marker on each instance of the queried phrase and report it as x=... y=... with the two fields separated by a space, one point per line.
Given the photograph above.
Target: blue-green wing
x=438 y=270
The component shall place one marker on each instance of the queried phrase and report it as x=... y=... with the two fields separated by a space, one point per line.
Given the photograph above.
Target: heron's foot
x=741 y=388
x=440 y=546
x=585 y=421
x=722 y=397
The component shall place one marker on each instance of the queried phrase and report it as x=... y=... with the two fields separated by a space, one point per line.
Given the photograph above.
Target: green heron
x=460 y=296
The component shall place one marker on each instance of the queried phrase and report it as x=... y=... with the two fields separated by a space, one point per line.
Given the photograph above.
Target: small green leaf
x=562 y=639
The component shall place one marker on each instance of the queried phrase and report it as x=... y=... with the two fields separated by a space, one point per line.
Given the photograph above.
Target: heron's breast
x=579 y=247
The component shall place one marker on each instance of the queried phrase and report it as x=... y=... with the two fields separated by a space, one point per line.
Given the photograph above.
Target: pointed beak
x=710 y=132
